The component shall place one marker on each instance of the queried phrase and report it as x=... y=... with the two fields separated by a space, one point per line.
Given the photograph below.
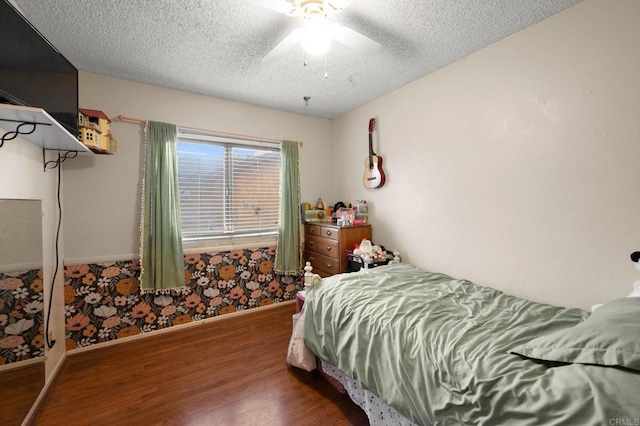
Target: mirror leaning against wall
x=22 y=308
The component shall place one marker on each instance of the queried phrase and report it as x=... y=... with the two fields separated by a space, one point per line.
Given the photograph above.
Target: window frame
x=231 y=239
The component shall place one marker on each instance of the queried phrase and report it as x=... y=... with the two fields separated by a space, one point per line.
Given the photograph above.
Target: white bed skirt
x=379 y=413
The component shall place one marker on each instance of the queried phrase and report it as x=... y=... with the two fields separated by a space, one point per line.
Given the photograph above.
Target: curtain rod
x=214 y=132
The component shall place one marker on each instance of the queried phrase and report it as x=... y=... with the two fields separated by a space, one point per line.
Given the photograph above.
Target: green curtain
x=288 y=253
x=162 y=258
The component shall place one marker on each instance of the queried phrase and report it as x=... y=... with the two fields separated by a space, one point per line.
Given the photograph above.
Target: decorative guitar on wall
x=373 y=175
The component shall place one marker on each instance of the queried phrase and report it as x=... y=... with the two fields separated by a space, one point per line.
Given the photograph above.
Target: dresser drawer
x=331 y=233
x=327 y=264
x=323 y=246
x=312 y=230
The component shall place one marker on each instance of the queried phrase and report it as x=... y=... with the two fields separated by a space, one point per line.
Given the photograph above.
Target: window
x=227 y=187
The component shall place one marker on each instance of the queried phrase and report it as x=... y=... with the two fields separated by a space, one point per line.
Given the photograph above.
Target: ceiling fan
x=314 y=32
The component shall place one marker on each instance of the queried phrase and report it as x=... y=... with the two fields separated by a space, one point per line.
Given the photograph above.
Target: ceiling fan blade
x=281 y=6
x=354 y=39
x=283 y=47
x=339 y=4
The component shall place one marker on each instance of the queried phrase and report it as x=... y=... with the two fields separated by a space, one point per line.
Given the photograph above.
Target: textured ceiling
x=215 y=48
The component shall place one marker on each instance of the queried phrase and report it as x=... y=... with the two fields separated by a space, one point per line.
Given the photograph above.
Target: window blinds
x=227 y=188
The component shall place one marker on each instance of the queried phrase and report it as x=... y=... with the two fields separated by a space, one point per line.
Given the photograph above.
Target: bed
x=417 y=347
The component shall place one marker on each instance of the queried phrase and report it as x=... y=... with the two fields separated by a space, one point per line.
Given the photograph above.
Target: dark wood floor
x=19 y=388
x=228 y=372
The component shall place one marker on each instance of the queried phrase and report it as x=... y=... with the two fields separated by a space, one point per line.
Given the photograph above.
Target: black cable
x=51 y=343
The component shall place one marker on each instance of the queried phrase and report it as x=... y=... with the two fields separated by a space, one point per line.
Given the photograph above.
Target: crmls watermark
x=624 y=422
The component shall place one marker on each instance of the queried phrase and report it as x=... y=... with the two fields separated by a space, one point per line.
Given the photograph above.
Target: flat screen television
x=33 y=72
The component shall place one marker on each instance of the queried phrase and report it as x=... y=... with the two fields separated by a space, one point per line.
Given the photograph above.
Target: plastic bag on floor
x=298 y=353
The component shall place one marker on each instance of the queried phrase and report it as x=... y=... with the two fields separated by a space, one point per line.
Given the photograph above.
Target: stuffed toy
x=635 y=258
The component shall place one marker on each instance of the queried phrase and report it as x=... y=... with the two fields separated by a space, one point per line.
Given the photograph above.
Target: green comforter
x=436 y=349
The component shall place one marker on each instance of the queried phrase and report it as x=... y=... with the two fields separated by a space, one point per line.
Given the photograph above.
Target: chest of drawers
x=325 y=245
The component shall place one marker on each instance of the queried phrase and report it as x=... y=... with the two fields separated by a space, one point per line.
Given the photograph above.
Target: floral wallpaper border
x=21 y=316
x=103 y=301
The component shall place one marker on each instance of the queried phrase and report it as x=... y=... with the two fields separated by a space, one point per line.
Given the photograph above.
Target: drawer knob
x=328 y=248
x=329 y=265
x=311 y=242
x=329 y=233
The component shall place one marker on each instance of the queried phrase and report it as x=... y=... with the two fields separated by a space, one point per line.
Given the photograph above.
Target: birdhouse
x=95 y=131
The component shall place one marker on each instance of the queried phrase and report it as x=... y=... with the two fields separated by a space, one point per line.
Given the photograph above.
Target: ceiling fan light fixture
x=315 y=40
x=310 y=9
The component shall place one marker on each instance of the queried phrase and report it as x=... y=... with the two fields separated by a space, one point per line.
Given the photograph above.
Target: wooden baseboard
x=20 y=364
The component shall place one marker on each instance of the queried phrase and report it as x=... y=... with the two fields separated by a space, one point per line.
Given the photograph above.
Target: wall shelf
x=38 y=127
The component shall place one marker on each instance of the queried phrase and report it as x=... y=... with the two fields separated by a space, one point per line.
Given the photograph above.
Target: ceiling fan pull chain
x=326 y=73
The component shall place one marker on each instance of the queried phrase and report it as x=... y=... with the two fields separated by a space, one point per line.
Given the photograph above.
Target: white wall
x=517 y=167
x=22 y=177
x=103 y=192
